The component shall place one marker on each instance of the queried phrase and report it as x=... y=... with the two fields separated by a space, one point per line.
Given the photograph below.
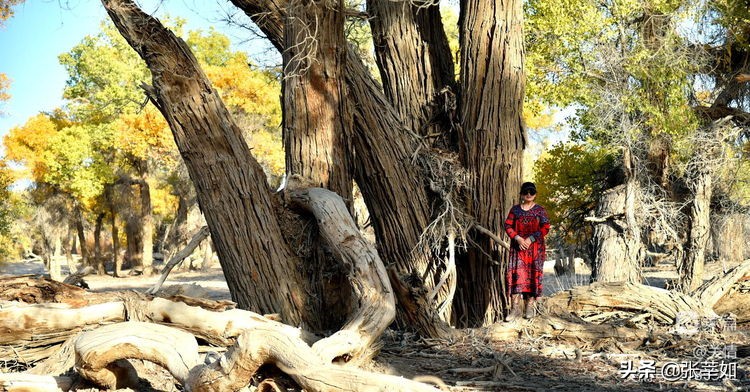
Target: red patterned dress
x=526 y=267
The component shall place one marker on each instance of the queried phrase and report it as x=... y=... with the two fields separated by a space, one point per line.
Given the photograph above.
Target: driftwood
x=20 y=382
x=76 y=279
x=313 y=373
x=196 y=239
x=628 y=302
x=713 y=290
x=98 y=351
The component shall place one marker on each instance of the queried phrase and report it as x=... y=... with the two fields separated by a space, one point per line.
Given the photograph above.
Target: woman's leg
x=530 y=310
x=515 y=308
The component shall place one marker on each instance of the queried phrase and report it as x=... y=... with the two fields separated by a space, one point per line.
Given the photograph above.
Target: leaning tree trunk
x=316 y=120
x=691 y=267
x=493 y=138
x=261 y=270
x=393 y=186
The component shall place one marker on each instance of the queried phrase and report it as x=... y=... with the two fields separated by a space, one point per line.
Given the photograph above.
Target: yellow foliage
x=144 y=134
x=250 y=90
x=163 y=202
x=268 y=150
x=537 y=120
x=25 y=144
x=4 y=85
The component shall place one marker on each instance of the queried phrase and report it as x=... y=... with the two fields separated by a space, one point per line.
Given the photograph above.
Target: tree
x=395 y=189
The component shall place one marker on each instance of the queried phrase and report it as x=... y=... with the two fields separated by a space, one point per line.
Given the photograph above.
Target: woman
x=526 y=225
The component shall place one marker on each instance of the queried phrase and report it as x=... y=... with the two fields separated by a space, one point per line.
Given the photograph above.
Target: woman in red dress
x=527 y=225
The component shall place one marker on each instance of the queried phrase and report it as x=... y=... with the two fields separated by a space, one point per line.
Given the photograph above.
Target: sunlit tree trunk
x=492 y=142
x=691 y=267
x=316 y=120
x=261 y=270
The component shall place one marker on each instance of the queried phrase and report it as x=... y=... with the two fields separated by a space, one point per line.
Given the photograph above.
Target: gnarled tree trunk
x=261 y=271
x=492 y=141
x=615 y=247
x=393 y=186
x=316 y=121
x=691 y=267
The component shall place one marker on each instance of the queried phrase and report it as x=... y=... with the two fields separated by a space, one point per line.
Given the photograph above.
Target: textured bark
x=492 y=141
x=315 y=123
x=316 y=117
x=413 y=56
x=261 y=271
x=98 y=352
x=266 y=346
x=711 y=292
x=617 y=251
x=603 y=302
x=393 y=186
x=691 y=267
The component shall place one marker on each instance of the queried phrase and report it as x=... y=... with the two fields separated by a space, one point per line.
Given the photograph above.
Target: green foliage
x=614 y=61
x=570 y=178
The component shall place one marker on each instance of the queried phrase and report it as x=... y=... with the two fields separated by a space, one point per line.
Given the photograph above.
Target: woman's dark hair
x=528 y=187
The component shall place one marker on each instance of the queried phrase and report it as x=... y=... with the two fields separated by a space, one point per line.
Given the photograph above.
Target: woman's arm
x=509 y=223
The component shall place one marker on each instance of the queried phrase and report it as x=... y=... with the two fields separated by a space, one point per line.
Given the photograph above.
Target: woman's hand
x=523 y=243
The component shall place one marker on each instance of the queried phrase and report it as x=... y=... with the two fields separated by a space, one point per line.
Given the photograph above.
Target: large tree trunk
x=615 y=248
x=393 y=186
x=691 y=267
x=492 y=143
x=261 y=271
x=618 y=248
x=315 y=122
x=413 y=56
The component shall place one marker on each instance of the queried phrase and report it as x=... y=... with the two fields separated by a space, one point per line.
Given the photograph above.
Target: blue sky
x=40 y=30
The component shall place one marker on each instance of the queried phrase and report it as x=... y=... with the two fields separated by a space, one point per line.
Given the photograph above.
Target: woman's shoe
x=515 y=310
x=530 y=310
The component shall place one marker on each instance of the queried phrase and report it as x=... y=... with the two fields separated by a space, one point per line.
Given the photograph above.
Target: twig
x=198 y=237
x=492 y=235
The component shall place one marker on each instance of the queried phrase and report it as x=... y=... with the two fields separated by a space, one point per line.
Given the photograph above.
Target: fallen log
x=710 y=292
x=562 y=328
x=627 y=302
x=20 y=382
x=98 y=351
x=313 y=373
